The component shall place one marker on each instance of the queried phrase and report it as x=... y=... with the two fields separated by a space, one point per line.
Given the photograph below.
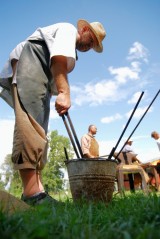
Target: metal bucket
x=92 y=179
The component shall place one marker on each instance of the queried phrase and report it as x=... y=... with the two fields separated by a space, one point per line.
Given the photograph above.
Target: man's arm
x=59 y=73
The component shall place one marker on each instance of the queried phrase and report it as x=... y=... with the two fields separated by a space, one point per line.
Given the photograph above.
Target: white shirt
x=128 y=149
x=158 y=143
x=60 y=39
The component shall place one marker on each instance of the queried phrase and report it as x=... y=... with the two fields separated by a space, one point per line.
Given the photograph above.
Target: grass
x=132 y=216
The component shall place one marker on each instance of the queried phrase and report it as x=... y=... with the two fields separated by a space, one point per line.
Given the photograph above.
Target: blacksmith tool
x=114 y=148
x=139 y=122
x=76 y=144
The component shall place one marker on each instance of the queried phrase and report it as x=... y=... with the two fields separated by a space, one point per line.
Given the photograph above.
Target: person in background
x=37 y=69
x=155 y=135
x=129 y=149
x=89 y=145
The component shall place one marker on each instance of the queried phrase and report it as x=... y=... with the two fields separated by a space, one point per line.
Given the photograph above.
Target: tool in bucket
x=139 y=121
x=74 y=140
x=131 y=182
x=114 y=148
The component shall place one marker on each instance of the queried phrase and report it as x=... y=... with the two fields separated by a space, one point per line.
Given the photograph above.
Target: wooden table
x=154 y=168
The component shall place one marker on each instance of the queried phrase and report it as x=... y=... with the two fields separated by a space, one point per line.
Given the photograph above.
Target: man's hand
x=62 y=103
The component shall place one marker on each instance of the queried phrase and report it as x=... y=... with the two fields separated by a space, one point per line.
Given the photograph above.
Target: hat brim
x=81 y=23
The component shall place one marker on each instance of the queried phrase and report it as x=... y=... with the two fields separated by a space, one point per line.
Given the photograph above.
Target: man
x=89 y=145
x=37 y=69
x=155 y=135
x=129 y=149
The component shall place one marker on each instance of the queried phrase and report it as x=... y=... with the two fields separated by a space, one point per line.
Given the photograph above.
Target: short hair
x=154 y=133
x=90 y=126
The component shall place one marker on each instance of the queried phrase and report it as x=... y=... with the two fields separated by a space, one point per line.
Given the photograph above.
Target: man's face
x=93 y=130
x=156 y=136
x=130 y=143
x=87 y=40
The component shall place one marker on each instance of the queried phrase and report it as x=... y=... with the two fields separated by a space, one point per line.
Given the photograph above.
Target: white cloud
x=110 y=119
x=116 y=88
x=138 y=52
x=75 y=89
x=105 y=147
x=101 y=91
x=123 y=74
x=139 y=112
x=53 y=112
x=94 y=93
x=134 y=98
x=7 y=128
x=136 y=65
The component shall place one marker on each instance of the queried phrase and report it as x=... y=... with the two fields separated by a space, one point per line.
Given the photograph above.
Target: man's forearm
x=59 y=74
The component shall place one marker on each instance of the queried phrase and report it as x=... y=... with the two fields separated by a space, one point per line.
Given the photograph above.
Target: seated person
x=128 y=149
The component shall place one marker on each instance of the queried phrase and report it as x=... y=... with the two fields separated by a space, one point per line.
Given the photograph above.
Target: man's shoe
x=39 y=198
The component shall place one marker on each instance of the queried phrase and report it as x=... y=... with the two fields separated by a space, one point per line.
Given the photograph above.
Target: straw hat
x=97 y=29
x=127 y=141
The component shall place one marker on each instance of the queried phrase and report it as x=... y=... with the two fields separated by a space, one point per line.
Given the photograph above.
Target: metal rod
x=70 y=136
x=66 y=154
x=75 y=135
x=114 y=148
x=139 y=121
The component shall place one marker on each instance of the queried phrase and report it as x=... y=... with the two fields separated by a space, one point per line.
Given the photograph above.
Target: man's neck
x=90 y=134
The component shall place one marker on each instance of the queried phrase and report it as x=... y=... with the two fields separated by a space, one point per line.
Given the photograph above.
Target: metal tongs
x=72 y=135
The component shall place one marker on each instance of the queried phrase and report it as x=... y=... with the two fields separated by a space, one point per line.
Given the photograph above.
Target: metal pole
x=75 y=135
x=114 y=148
x=139 y=121
x=70 y=136
x=66 y=154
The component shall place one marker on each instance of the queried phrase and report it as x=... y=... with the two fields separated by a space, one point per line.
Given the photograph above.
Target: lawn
x=132 y=216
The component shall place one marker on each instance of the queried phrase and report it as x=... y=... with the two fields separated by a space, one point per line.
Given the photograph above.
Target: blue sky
x=104 y=87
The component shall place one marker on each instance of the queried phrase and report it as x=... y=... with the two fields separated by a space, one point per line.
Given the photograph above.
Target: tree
x=10 y=177
x=2 y=185
x=52 y=173
x=7 y=170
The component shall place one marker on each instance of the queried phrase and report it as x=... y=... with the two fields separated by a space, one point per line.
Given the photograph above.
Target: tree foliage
x=2 y=185
x=52 y=173
x=9 y=177
x=6 y=171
